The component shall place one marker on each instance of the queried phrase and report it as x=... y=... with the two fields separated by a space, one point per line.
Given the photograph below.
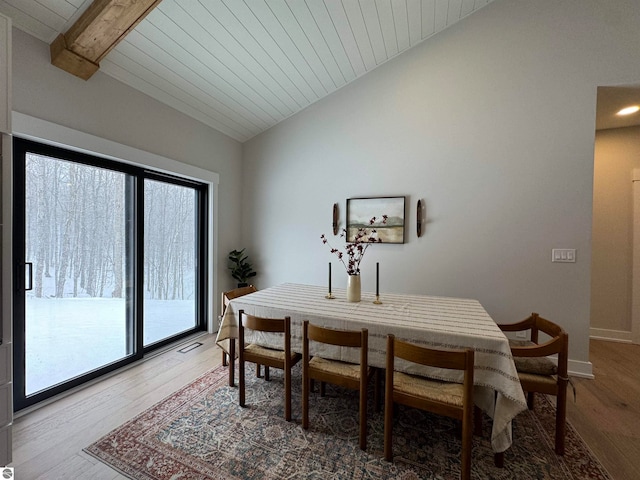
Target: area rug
x=200 y=432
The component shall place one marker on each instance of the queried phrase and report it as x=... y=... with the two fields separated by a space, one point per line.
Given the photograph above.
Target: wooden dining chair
x=226 y=298
x=443 y=398
x=349 y=375
x=539 y=374
x=283 y=358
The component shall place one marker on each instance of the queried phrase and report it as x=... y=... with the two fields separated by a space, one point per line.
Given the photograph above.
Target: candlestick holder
x=329 y=296
x=377 y=300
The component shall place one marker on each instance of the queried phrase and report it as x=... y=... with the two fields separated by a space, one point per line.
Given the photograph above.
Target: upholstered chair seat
x=335 y=367
x=443 y=392
x=533 y=365
x=269 y=352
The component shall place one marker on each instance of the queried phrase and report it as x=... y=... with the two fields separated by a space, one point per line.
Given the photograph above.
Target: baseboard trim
x=610 y=335
x=581 y=369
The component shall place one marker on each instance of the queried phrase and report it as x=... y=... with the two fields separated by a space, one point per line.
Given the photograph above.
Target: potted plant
x=241 y=269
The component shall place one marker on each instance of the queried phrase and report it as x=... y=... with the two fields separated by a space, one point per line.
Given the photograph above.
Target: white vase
x=353 y=288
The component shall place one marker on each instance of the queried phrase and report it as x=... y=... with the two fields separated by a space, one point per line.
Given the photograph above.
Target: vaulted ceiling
x=242 y=66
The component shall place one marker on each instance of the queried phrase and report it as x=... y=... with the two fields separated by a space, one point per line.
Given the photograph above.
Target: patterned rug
x=200 y=432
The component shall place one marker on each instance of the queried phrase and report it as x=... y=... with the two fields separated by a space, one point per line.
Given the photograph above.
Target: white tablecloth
x=443 y=322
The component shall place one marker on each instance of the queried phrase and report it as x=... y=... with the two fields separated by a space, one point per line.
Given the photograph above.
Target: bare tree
x=75 y=231
x=67 y=232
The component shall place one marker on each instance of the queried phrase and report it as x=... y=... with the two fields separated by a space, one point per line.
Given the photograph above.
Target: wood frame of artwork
x=361 y=210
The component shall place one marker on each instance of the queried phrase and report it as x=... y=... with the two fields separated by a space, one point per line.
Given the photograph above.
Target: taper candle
x=329 y=277
x=377 y=279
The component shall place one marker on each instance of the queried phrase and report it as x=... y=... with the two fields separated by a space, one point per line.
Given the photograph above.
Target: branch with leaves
x=355 y=250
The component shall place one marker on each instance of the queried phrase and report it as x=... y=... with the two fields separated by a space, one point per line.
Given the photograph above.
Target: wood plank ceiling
x=242 y=66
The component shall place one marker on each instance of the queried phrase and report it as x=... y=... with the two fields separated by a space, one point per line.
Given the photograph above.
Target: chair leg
x=241 y=382
x=232 y=357
x=388 y=428
x=498 y=459
x=224 y=359
x=258 y=372
x=561 y=414
x=376 y=390
x=467 y=439
x=287 y=394
x=266 y=373
x=477 y=421
x=530 y=400
x=306 y=384
x=388 y=414
x=363 y=413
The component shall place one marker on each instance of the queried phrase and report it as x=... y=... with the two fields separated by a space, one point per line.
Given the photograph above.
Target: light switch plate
x=563 y=255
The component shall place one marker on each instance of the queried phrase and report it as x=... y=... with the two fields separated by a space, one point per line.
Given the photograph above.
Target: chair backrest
x=557 y=344
x=235 y=293
x=343 y=338
x=439 y=358
x=546 y=326
x=271 y=325
x=276 y=325
x=536 y=324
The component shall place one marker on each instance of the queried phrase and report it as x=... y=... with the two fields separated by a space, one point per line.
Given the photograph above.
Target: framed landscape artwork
x=361 y=210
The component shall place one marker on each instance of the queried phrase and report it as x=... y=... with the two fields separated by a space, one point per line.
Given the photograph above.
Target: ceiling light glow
x=629 y=110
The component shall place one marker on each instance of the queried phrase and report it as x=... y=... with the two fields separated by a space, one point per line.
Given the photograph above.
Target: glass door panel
x=108 y=261
x=170 y=260
x=78 y=316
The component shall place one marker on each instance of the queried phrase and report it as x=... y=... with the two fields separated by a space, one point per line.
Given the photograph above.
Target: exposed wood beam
x=98 y=30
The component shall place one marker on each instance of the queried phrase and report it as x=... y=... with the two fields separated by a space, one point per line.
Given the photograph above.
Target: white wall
x=492 y=123
x=617 y=154
x=106 y=108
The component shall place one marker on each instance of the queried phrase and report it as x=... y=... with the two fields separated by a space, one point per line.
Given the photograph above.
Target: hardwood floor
x=48 y=442
x=606 y=412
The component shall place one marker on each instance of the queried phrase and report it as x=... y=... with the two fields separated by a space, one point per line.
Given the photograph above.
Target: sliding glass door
x=107 y=263
x=170 y=259
x=77 y=264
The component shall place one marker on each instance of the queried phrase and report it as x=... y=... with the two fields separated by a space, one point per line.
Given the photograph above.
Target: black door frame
x=20 y=148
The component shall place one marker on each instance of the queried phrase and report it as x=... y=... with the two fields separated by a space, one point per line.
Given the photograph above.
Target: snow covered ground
x=71 y=336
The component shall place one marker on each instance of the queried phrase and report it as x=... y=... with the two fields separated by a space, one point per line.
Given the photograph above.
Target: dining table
x=430 y=321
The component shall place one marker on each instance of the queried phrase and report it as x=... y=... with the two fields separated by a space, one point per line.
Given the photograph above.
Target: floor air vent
x=188 y=348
